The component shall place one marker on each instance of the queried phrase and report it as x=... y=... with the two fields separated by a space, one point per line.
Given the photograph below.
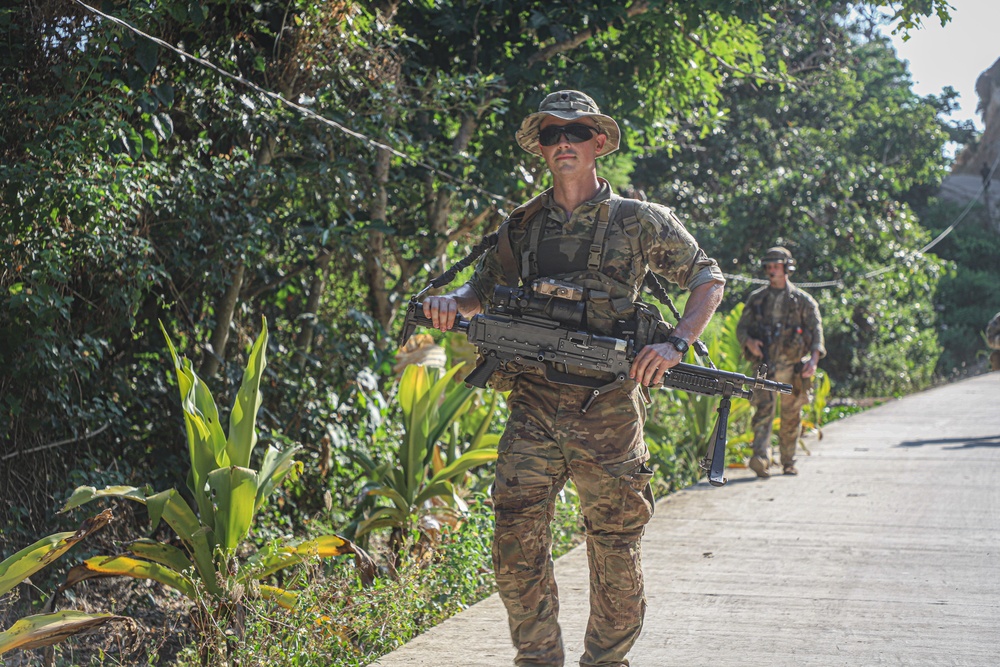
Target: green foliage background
x=140 y=186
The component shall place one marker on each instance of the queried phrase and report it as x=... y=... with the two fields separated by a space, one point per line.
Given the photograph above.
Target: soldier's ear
x=600 y=140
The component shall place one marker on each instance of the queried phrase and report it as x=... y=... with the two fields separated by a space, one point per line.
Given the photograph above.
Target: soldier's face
x=774 y=268
x=568 y=158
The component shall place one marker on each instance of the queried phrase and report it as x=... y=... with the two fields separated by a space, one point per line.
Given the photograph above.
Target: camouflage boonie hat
x=567 y=105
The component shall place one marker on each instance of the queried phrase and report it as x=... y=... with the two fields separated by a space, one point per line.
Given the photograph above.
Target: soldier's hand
x=652 y=362
x=808 y=368
x=442 y=311
x=755 y=346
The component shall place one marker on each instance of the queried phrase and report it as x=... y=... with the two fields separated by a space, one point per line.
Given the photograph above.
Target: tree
x=826 y=166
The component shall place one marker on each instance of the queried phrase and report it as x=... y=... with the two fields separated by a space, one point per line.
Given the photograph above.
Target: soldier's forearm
x=699 y=309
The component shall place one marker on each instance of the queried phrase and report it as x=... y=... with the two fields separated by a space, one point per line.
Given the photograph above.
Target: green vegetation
x=140 y=187
x=418 y=481
x=44 y=629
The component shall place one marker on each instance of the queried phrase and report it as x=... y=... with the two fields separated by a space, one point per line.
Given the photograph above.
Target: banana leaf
x=243 y=418
x=123 y=566
x=234 y=491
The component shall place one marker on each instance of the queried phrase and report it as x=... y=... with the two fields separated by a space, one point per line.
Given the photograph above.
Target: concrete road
x=884 y=550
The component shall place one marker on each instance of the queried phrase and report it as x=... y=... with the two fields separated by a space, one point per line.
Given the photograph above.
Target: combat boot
x=759 y=465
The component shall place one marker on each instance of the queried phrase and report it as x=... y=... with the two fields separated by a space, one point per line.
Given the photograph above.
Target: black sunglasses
x=575 y=133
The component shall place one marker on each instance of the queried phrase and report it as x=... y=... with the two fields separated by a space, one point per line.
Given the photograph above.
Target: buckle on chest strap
x=601 y=230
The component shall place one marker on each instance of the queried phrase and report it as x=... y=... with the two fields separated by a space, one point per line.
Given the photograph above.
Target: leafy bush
x=417 y=479
x=212 y=570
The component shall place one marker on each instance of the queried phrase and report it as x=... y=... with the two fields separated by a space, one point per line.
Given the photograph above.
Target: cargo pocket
x=513 y=574
x=628 y=484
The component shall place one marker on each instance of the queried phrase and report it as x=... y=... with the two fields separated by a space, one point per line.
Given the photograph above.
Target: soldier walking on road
x=580 y=233
x=993 y=341
x=781 y=327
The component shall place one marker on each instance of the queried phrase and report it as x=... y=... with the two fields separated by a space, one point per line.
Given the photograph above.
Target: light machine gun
x=518 y=332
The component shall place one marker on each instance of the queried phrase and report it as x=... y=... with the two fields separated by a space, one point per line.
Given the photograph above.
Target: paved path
x=885 y=550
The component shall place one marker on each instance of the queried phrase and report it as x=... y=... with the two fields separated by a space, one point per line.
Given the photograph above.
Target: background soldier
x=580 y=232
x=781 y=327
x=993 y=340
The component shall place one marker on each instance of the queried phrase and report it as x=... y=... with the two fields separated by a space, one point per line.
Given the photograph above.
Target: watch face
x=679 y=344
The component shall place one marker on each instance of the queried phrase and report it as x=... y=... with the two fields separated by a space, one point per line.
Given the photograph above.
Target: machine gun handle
x=415 y=317
x=479 y=376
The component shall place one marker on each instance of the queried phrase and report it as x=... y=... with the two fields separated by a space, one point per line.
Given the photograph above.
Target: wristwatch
x=679 y=343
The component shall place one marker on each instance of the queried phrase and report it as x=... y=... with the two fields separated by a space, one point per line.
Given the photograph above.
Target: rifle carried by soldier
x=541 y=328
x=765 y=333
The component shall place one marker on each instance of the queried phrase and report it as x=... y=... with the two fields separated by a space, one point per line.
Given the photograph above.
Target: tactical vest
x=789 y=338
x=610 y=269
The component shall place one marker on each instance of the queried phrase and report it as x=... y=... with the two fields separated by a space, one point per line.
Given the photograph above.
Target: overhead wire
x=300 y=108
x=877 y=272
x=839 y=283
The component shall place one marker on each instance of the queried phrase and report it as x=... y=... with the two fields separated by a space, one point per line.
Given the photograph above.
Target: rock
x=986 y=151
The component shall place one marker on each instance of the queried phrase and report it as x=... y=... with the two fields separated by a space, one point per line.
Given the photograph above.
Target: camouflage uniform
x=993 y=340
x=547 y=440
x=791 y=318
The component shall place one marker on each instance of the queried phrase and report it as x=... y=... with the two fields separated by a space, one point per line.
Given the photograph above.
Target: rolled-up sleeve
x=488 y=274
x=812 y=321
x=671 y=252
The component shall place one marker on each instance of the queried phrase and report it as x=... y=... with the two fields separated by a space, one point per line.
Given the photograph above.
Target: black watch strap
x=679 y=343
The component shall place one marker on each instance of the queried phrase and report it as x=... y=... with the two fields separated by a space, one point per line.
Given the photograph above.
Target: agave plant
x=227 y=491
x=45 y=629
x=418 y=481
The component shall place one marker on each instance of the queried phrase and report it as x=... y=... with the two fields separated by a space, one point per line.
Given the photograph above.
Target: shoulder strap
x=506 y=254
x=600 y=234
x=629 y=220
x=529 y=251
x=505 y=251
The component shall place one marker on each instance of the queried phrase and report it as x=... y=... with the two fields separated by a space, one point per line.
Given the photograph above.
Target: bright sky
x=956 y=54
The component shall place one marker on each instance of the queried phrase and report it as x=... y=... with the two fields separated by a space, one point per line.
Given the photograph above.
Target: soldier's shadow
x=955 y=443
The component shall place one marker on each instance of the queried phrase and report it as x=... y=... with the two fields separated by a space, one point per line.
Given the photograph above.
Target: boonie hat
x=567 y=105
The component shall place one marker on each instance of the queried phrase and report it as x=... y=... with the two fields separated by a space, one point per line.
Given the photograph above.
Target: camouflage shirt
x=640 y=237
x=789 y=316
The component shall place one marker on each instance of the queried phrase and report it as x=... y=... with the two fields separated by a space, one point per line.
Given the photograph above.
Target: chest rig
x=612 y=306
x=608 y=268
x=781 y=325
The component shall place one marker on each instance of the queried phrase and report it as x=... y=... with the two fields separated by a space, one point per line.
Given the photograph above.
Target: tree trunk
x=303 y=341
x=378 y=295
x=215 y=352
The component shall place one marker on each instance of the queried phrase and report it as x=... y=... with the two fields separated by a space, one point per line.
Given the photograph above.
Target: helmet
x=779 y=255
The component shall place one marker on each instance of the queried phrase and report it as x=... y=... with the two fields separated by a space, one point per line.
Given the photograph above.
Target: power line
x=454 y=179
x=877 y=272
x=298 y=107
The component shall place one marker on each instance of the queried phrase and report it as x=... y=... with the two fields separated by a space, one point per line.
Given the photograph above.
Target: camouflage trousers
x=765 y=402
x=546 y=442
